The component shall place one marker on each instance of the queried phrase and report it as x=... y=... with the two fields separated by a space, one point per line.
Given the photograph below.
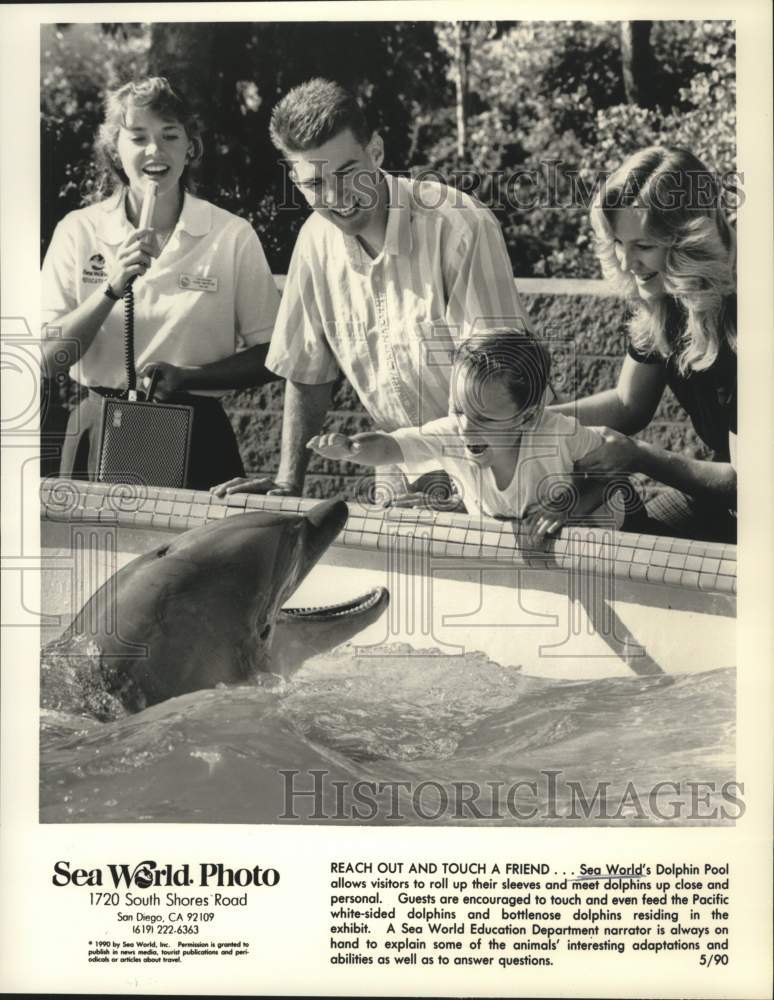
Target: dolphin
x=206 y=608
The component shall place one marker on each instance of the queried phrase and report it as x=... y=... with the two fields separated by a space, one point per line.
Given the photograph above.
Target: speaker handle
x=154 y=381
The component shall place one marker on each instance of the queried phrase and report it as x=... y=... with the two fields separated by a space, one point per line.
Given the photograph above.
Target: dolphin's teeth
x=346 y=608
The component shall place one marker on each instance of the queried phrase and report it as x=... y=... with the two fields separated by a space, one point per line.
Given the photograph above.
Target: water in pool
x=397 y=737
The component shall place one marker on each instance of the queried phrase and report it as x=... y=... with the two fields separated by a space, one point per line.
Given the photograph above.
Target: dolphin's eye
x=266 y=632
x=162 y=551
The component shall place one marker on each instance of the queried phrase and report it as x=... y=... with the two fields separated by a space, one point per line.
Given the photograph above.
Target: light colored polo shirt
x=208 y=294
x=390 y=324
x=545 y=461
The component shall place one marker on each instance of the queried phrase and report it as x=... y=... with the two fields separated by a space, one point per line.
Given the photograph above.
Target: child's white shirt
x=546 y=456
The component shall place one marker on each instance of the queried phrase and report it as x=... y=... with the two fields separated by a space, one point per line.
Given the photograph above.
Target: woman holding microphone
x=204 y=298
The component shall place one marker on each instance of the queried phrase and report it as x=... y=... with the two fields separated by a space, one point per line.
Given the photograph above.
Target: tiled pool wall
x=689 y=565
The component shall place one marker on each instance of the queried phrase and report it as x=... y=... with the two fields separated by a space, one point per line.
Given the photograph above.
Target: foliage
x=555 y=113
x=78 y=63
x=546 y=111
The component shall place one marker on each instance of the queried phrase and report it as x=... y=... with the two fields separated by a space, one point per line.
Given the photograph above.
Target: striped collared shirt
x=390 y=324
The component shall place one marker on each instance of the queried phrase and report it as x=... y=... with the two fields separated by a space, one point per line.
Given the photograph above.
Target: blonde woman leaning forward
x=664 y=241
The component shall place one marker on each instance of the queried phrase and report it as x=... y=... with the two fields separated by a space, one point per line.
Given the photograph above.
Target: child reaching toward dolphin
x=506 y=453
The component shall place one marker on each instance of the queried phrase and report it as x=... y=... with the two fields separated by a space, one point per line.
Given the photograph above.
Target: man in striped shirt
x=387 y=275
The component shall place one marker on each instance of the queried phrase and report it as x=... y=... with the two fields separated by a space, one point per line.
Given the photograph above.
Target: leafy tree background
x=546 y=102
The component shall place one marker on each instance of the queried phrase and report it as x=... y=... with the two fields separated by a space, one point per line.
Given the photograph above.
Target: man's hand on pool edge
x=262 y=485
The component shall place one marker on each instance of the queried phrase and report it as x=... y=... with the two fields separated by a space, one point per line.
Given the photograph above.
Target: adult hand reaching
x=617 y=453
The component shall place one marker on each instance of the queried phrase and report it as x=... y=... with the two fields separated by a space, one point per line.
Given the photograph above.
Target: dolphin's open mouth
x=358 y=605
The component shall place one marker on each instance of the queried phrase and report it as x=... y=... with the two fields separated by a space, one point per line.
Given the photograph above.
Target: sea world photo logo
x=150 y=874
x=97 y=262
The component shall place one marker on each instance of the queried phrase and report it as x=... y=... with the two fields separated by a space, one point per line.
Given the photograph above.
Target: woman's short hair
x=682 y=205
x=157 y=94
x=314 y=112
x=517 y=357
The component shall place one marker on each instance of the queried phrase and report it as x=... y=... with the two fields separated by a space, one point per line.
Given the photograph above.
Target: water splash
x=383 y=714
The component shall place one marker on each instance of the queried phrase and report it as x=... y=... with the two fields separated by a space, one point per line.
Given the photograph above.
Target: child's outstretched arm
x=371 y=448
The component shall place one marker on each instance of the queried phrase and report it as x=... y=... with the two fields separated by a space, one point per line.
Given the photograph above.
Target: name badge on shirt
x=197 y=283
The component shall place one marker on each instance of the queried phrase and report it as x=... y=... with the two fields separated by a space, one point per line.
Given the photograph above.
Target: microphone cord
x=131 y=373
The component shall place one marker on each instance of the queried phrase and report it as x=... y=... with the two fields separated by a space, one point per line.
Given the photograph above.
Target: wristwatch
x=108 y=292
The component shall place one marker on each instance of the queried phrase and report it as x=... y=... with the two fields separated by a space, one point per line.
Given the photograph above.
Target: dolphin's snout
x=323 y=523
x=329 y=516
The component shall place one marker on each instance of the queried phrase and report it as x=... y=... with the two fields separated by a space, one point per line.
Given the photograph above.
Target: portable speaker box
x=142 y=442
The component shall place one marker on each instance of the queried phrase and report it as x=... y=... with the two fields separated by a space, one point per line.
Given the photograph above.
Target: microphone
x=146 y=217
x=148 y=204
